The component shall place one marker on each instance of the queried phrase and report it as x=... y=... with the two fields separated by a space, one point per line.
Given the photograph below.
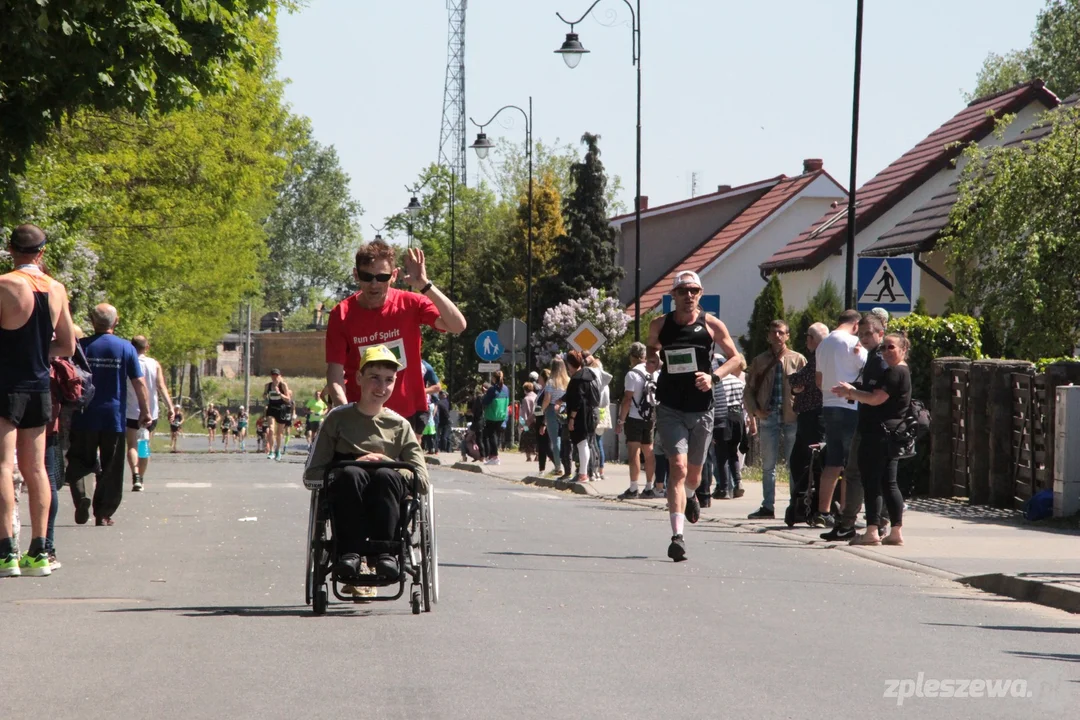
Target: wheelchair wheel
x=319 y=602
x=429 y=560
x=309 y=571
x=416 y=602
x=789 y=516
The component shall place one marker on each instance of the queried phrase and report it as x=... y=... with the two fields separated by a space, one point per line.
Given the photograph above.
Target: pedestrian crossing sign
x=885 y=283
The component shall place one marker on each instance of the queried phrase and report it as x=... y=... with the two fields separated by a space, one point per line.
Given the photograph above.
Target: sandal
x=861 y=540
x=887 y=541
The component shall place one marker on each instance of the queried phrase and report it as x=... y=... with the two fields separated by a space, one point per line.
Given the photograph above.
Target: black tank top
x=24 y=352
x=684 y=351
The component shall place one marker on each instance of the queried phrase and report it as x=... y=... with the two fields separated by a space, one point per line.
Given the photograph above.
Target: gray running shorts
x=685 y=433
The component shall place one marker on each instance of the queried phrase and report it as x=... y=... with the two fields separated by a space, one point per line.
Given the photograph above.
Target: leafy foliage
x=768 y=306
x=930 y=338
x=602 y=311
x=585 y=255
x=824 y=307
x=1053 y=56
x=1014 y=240
x=1042 y=363
x=312 y=231
x=171 y=205
x=133 y=55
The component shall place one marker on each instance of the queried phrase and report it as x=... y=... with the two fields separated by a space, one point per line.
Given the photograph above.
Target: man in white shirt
x=638 y=432
x=155 y=385
x=840 y=358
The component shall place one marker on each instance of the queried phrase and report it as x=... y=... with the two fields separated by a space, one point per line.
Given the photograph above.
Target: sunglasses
x=890 y=347
x=692 y=292
x=373 y=277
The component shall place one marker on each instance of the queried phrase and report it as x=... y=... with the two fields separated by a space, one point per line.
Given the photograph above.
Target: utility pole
x=247 y=362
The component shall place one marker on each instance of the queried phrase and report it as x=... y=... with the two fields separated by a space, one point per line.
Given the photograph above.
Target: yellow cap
x=379 y=353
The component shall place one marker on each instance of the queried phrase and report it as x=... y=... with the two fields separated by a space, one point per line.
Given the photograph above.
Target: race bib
x=395 y=346
x=680 y=361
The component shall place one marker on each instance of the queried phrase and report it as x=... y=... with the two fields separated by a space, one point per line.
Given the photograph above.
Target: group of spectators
x=852 y=394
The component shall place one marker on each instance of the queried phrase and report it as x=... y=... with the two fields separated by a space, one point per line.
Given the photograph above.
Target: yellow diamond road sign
x=587 y=338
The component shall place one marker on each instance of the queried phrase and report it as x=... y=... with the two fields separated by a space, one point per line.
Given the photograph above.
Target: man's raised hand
x=415 y=269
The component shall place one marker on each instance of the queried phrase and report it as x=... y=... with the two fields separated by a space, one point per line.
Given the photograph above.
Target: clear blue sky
x=735 y=91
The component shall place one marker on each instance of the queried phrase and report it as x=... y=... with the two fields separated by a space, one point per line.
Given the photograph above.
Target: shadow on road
x=248 y=611
x=1015 y=628
x=1061 y=657
x=574 y=557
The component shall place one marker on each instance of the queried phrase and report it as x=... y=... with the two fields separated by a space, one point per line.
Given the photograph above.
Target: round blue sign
x=488 y=346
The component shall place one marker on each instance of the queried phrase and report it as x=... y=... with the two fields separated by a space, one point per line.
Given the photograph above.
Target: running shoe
x=839 y=532
x=35 y=565
x=630 y=494
x=54 y=564
x=136 y=486
x=677 y=549
x=270 y=455
x=693 y=509
x=9 y=566
x=650 y=494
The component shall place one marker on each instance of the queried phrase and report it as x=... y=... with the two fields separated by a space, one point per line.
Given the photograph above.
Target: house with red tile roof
x=919 y=179
x=728 y=237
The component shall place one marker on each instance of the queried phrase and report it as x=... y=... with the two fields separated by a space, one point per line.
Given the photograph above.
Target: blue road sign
x=885 y=283
x=488 y=346
x=708 y=303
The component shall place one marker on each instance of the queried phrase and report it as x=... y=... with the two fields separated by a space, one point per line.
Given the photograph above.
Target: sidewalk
x=989 y=549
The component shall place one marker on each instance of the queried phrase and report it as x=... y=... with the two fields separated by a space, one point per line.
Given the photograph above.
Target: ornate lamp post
x=572 y=50
x=482 y=145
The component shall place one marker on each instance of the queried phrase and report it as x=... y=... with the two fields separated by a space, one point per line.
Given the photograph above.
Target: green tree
x=824 y=307
x=172 y=205
x=312 y=231
x=1013 y=243
x=1053 y=56
x=585 y=255
x=768 y=306
x=135 y=55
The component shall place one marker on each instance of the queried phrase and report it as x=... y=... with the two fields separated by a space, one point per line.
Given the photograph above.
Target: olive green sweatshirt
x=347 y=431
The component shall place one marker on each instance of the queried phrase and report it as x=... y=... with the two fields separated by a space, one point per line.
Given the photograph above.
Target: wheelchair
x=415 y=548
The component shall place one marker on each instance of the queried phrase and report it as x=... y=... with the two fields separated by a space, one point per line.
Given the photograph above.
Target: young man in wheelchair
x=366 y=504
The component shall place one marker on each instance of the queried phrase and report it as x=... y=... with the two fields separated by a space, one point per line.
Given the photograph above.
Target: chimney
x=643 y=201
x=810 y=165
x=722 y=188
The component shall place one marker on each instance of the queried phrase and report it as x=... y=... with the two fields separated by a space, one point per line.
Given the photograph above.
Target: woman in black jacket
x=582 y=403
x=883 y=405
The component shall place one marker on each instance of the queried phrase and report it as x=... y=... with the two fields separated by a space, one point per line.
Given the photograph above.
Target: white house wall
x=736 y=276
x=799 y=285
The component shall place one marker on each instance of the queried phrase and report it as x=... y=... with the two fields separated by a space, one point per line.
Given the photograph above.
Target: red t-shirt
x=351 y=329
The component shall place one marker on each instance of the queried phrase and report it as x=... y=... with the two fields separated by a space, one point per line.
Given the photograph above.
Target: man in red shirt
x=378 y=314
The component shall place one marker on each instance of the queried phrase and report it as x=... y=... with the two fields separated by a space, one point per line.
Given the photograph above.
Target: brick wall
x=294 y=353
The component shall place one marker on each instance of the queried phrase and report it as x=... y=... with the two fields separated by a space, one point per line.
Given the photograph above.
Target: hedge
x=934 y=337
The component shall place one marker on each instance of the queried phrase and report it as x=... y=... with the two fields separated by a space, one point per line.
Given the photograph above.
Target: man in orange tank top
x=35 y=325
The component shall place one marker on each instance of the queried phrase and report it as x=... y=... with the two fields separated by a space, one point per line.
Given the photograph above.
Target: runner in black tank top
x=683 y=341
x=686 y=351
x=27 y=325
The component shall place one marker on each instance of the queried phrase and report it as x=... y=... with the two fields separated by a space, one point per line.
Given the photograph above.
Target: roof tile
x=908 y=172
x=736 y=228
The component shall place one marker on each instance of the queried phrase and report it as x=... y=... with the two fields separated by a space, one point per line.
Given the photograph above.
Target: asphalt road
x=552 y=606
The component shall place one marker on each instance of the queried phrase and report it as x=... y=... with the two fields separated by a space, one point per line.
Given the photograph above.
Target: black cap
x=28 y=239
x=275 y=371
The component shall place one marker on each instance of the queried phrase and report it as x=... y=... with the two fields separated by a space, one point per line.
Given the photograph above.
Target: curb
x=467 y=467
x=431 y=460
x=1034 y=591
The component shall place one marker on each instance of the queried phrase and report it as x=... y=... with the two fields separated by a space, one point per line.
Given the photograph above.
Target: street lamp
x=378 y=231
x=571 y=51
x=413 y=209
x=482 y=145
x=849 y=261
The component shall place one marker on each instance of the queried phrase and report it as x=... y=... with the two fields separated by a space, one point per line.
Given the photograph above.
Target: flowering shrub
x=604 y=312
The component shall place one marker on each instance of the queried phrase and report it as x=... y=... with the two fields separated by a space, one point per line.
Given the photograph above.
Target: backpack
x=916 y=424
x=75 y=379
x=647 y=407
